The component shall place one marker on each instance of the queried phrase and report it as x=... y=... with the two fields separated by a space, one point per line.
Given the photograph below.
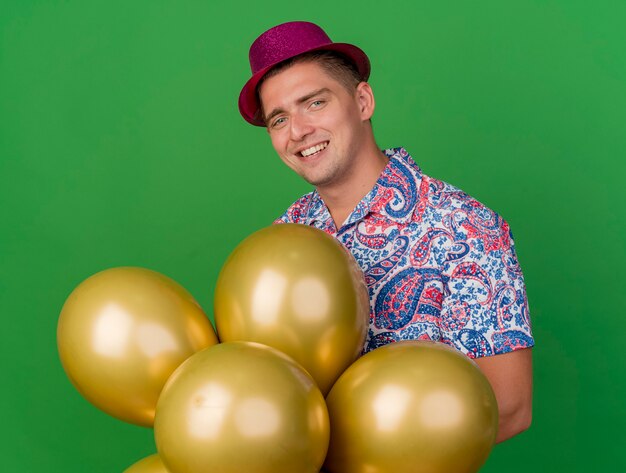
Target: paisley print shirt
x=438 y=264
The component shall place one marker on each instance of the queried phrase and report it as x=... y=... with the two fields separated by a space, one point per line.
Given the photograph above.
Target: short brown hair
x=336 y=64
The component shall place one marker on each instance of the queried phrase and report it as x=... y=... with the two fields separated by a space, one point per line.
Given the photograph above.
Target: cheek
x=341 y=124
x=277 y=143
x=280 y=146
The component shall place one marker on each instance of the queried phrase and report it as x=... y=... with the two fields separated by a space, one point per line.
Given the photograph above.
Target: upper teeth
x=314 y=149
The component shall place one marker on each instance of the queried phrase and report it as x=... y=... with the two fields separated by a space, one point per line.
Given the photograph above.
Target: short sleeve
x=484 y=307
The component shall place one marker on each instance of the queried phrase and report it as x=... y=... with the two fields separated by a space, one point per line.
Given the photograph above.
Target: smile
x=314 y=149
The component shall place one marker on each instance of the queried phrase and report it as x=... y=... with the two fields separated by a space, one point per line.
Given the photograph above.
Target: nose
x=300 y=127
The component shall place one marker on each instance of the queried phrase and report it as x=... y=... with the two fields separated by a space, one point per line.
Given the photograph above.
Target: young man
x=439 y=265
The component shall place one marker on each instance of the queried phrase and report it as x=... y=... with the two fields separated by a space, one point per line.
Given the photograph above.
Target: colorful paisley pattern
x=439 y=265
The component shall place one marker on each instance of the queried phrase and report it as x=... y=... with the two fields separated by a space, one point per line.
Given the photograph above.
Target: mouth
x=313 y=150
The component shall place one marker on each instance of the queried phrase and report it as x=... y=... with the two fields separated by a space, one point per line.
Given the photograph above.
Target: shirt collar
x=317 y=213
x=394 y=195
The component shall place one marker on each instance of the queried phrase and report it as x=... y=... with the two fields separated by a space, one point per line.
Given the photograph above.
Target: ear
x=365 y=98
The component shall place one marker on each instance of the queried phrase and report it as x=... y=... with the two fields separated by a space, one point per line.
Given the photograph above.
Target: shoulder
x=463 y=215
x=298 y=211
x=442 y=195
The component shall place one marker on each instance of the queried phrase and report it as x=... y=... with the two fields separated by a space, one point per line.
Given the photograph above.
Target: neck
x=342 y=197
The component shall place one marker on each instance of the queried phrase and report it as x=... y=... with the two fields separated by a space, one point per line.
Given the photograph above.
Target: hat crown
x=285 y=41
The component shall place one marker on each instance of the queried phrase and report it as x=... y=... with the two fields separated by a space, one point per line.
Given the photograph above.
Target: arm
x=510 y=375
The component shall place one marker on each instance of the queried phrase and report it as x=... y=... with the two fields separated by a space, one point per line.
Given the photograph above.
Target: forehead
x=295 y=82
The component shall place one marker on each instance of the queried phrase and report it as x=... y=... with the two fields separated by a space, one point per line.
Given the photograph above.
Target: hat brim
x=248 y=103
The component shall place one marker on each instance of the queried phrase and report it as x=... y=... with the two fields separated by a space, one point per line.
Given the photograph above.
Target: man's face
x=316 y=125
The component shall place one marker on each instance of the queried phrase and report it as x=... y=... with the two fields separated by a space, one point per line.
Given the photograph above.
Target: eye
x=317 y=103
x=279 y=122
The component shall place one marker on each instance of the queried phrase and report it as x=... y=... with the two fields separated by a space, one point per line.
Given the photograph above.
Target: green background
x=121 y=144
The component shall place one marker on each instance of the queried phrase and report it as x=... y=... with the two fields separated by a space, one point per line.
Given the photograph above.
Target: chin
x=313 y=182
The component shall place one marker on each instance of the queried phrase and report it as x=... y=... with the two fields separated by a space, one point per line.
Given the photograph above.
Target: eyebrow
x=278 y=111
